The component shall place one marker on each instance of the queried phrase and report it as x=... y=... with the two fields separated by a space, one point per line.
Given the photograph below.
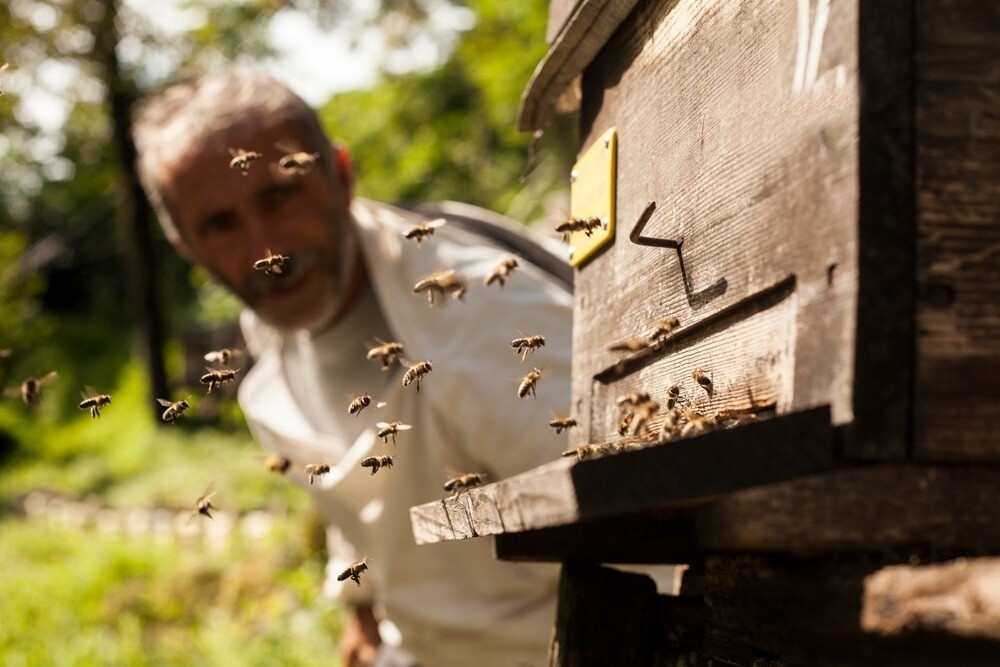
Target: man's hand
x=360 y=641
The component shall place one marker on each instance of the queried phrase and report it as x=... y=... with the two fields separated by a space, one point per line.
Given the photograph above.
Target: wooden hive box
x=828 y=174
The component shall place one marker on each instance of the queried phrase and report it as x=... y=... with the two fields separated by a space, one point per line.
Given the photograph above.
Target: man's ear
x=345 y=171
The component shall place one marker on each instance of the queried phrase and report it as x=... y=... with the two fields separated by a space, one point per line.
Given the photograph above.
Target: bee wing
x=436 y=222
x=403 y=427
x=381 y=425
x=48 y=377
x=380 y=404
x=234 y=152
x=164 y=402
x=213 y=357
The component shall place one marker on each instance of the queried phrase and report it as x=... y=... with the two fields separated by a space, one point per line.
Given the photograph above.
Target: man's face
x=228 y=221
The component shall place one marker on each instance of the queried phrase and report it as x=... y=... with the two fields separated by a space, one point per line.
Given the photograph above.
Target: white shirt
x=453 y=603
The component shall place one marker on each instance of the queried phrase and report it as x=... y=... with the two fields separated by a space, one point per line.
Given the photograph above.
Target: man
x=347 y=283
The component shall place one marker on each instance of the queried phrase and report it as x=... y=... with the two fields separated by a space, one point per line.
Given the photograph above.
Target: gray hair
x=186 y=116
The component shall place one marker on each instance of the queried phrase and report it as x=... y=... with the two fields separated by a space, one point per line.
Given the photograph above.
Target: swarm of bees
x=441 y=283
x=585 y=225
x=271 y=264
x=561 y=424
x=387 y=353
x=30 y=389
x=388 y=430
x=278 y=463
x=526 y=344
x=362 y=402
x=173 y=411
x=463 y=482
x=528 y=383
x=94 y=402
x=316 y=470
x=215 y=379
x=414 y=372
x=242 y=159
x=376 y=463
x=501 y=272
x=298 y=162
x=422 y=230
x=204 y=505
x=354 y=571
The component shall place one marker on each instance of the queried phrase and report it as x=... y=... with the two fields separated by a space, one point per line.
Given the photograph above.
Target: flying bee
x=390 y=429
x=376 y=463
x=271 y=264
x=463 y=482
x=204 y=505
x=529 y=383
x=643 y=413
x=501 y=272
x=30 y=390
x=584 y=452
x=362 y=402
x=526 y=344
x=242 y=159
x=625 y=423
x=387 y=352
x=277 y=463
x=215 y=379
x=353 y=571
x=316 y=470
x=298 y=162
x=634 y=398
x=94 y=401
x=702 y=379
x=629 y=345
x=562 y=423
x=422 y=230
x=223 y=356
x=440 y=283
x=415 y=372
x=664 y=329
x=173 y=411
x=2 y=69
x=585 y=225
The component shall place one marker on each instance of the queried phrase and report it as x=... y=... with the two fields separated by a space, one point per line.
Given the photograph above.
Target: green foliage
x=19 y=309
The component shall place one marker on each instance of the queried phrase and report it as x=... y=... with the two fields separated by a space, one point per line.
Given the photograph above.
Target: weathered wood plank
x=958 y=209
x=677 y=473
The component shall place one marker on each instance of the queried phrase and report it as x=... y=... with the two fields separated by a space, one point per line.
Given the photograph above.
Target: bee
x=528 y=383
x=673 y=396
x=664 y=329
x=30 y=390
x=223 y=356
x=526 y=344
x=702 y=379
x=584 y=452
x=173 y=411
x=466 y=481
x=585 y=225
x=215 y=379
x=270 y=264
x=440 y=283
x=501 y=272
x=562 y=423
x=629 y=345
x=278 y=463
x=625 y=423
x=387 y=352
x=390 y=429
x=298 y=162
x=422 y=230
x=696 y=424
x=376 y=463
x=643 y=413
x=204 y=505
x=670 y=428
x=353 y=571
x=634 y=398
x=316 y=470
x=415 y=372
x=362 y=402
x=242 y=159
x=94 y=401
x=2 y=69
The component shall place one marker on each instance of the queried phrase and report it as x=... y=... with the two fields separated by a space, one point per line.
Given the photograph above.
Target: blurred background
x=100 y=565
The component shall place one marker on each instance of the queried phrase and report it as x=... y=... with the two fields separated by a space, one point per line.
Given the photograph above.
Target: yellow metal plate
x=592 y=195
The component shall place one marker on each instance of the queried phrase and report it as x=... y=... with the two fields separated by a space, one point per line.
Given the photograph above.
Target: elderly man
x=348 y=282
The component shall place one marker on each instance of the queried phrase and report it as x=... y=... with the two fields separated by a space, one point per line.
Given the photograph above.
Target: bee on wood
x=30 y=389
x=242 y=159
x=390 y=429
x=501 y=272
x=204 y=505
x=696 y=424
x=362 y=402
x=528 y=383
x=670 y=428
x=386 y=352
x=625 y=423
x=441 y=283
x=561 y=424
x=642 y=414
x=629 y=345
x=376 y=463
x=593 y=451
x=173 y=411
x=316 y=470
x=664 y=329
x=463 y=482
x=223 y=356
x=215 y=379
x=271 y=264
x=277 y=463
x=673 y=396
x=526 y=344
x=353 y=571
x=702 y=379
x=415 y=372
x=297 y=162
x=585 y=225
x=422 y=230
x=94 y=402
x=634 y=398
